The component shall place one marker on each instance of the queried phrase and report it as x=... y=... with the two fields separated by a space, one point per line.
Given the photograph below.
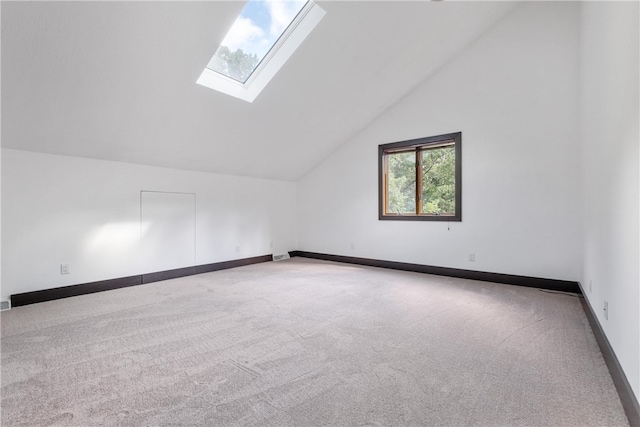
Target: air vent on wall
x=280 y=257
x=5 y=305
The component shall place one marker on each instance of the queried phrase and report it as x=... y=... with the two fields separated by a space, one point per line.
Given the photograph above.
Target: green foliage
x=438 y=182
x=237 y=65
x=402 y=183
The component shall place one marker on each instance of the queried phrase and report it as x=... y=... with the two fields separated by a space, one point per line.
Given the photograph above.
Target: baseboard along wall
x=123 y=282
x=627 y=397
x=509 y=279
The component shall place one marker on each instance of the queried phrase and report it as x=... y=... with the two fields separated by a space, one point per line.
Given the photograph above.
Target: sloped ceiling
x=116 y=80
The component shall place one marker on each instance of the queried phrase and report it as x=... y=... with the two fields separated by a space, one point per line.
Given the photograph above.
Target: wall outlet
x=64 y=268
x=472 y=257
x=606 y=310
x=590 y=285
x=237 y=249
x=353 y=246
x=271 y=244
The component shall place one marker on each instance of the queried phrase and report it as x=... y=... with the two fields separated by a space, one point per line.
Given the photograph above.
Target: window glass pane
x=401 y=187
x=259 y=26
x=439 y=181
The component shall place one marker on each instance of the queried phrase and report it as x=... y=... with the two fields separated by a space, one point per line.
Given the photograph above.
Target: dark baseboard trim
x=627 y=397
x=74 y=290
x=207 y=268
x=168 y=274
x=123 y=282
x=509 y=279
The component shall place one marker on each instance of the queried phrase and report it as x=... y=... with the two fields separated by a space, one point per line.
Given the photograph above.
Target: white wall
x=86 y=213
x=609 y=139
x=1 y=294
x=167 y=230
x=513 y=94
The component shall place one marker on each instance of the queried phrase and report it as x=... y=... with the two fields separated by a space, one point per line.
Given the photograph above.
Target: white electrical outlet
x=606 y=310
x=271 y=245
x=472 y=257
x=353 y=246
x=64 y=268
x=237 y=249
x=590 y=285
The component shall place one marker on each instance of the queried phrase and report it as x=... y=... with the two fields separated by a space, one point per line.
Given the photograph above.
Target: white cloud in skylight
x=245 y=35
x=263 y=38
x=254 y=33
x=282 y=13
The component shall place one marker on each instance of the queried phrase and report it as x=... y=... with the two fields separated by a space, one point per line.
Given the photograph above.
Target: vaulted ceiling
x=116 y=80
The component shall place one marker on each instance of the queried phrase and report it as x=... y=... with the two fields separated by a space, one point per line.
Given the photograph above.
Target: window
x=252 y=36
x=258 y=44
x=420 y=179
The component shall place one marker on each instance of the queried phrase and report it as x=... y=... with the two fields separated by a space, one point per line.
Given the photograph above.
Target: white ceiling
x=116 y=80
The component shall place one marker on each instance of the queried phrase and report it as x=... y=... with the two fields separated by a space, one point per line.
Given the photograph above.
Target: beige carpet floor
x=306 y=343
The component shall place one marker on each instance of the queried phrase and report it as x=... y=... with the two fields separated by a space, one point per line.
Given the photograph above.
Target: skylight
x=261 y=40
x=255 y=32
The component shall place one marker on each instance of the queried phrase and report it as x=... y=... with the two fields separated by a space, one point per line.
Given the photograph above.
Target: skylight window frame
x=276 y=45
x=302 y=25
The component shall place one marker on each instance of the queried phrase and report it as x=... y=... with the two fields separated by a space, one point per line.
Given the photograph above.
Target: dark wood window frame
x=417 y=146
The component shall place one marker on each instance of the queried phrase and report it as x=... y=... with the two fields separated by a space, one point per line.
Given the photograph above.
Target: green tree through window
x=237 y=64
x=421 y=179
x=402 y=183
x=438 y=181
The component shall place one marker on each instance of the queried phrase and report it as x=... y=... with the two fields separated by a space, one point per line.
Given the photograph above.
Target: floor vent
x=5 y=305
x=280 y=257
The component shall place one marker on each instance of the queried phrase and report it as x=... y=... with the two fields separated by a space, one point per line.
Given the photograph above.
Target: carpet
x=306 y=343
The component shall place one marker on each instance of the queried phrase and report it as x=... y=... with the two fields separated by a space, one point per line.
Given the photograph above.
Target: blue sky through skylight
x=255 y=31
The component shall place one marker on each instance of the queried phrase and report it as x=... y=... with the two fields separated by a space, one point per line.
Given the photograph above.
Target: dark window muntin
x=413 y=145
